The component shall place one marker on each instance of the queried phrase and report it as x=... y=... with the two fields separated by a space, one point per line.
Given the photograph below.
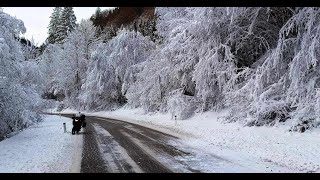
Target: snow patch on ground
x=43 y=147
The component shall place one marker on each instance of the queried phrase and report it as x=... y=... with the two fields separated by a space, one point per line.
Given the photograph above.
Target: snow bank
x=43 y=147
x=65 y=111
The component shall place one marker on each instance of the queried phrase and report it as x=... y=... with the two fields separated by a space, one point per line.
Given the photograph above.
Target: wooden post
x=65 y=127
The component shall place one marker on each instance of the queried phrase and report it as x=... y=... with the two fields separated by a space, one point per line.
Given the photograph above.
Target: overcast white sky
x=36 y=19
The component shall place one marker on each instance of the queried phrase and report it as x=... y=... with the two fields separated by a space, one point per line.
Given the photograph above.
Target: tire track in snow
x=115 y=156
x=163 y=159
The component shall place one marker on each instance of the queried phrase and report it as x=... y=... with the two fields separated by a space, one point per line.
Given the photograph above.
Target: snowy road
x=117 y=146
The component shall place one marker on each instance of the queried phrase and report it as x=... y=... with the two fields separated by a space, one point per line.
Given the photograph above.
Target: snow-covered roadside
x=263 y=149
x=43 y=147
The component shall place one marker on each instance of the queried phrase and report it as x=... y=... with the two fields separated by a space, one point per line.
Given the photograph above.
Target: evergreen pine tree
x=71 y=20
x=54 y=22
x=98 y=13
x=67 y=24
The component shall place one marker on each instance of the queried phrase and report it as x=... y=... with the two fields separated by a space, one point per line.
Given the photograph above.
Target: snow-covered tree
x=16 y=106
x=67 y=24
x=106 y=73
x=55 y=20
x=97 y=14
x=169 y=67
x=29 y=48
x=285 y=85
x=78 y=47
x=190 y=35
x=50 y=68
x=69 y=19
x=202 y=55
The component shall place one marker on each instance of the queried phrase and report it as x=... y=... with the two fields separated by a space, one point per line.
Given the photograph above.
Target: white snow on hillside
x=44 y=147
x=263 y=149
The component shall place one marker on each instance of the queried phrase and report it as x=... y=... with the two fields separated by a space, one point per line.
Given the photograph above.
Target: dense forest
x=259 y=63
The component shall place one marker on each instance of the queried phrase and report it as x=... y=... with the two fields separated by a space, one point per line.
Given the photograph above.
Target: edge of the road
x=173 y=131
x=77 y=155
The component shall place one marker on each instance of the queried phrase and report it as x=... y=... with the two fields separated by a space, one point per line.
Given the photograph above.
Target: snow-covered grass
x=263 y=149
x=43 y=147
